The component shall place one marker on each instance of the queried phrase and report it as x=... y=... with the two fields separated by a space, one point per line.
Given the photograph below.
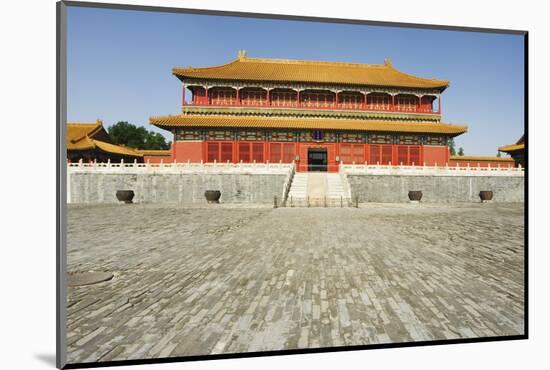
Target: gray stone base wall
x=435 y=189
x=175 y=188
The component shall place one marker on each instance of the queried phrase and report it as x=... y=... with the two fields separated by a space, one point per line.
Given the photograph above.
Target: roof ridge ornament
x=388 y=63
x=242 y=54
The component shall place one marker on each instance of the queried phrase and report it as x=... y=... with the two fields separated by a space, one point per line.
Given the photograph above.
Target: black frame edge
x=61 y=175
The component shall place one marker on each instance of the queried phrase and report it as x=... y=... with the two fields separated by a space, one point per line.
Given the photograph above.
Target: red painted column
x=206 y=95
x=298 y=96
x=174 y=143
x=336 y=100
x=183 y=94
x=439 y=107
x=268 y=97
x=392 y=108
x=238 y=98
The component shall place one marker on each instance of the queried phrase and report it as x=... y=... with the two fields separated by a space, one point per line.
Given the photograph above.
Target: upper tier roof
x=284 y=70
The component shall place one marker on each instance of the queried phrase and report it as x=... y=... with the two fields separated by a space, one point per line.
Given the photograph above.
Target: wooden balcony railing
x=344 y=106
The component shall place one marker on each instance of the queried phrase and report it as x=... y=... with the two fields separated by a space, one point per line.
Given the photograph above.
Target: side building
x=516 y=151
x=318 y=114
x=89 y=142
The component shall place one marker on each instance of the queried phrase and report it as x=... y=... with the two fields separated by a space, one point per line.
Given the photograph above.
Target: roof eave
x=184 y=79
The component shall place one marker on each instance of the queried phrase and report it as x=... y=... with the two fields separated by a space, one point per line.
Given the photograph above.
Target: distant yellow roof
x=480 y=158
x=227 y=121
x=79 y=134
x=82 y=136
x=117 y=149
x=263 y=69
x=512 y=148
x=154 y=152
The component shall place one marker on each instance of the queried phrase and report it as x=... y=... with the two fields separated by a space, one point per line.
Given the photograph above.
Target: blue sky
x=119 y=64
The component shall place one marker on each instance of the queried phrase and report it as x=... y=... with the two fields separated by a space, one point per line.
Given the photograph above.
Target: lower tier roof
x=228 y=121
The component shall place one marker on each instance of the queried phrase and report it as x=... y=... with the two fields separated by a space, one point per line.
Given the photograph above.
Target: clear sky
x=119 y=64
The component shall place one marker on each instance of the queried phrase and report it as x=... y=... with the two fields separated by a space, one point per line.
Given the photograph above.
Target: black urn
x=415 y=195
x=212 y=196
x=125 y=196
x=486 y=195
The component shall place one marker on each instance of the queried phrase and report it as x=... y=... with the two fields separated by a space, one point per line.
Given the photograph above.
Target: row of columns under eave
x=335 y=104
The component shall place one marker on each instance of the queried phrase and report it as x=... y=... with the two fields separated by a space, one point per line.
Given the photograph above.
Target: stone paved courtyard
x=195 y=281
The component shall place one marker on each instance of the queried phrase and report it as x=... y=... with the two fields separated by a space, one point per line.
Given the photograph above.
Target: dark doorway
x=317 y=159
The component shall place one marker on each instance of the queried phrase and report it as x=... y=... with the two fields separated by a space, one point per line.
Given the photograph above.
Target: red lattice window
x=386 y=154
x=406 y=103
x=374 y=157
x=219 y=152
x=378 y=102
x=380 y=154
x=402 y=155
x=281 y=152
x=258 y=152
x=350 y=100
x=244 y=152
x=345 y=153
x=289 y=152
x=222 y=96
x=358 y=153
x=275 y=152
x=408 y=155
x=283 y=98
x=253 y=97
x=250 y=152
x=226 y=152
x=213 y=152
x=350 y=153
x=317 y=99
x=414 y=155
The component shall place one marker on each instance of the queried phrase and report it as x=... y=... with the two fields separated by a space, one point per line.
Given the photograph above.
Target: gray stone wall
x=435 y=189
x=175 y=188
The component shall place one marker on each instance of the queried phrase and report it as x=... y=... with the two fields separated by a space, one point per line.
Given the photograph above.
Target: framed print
x=235 y=184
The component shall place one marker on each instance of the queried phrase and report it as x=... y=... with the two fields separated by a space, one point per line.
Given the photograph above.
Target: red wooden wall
x=286 y=152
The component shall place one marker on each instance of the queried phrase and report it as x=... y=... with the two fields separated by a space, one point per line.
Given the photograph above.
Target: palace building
x=90 y=142
x=318 y=114
x=517 y=151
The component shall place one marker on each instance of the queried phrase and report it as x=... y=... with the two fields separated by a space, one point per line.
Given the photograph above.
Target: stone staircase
x=298 y=188
x=317 y=189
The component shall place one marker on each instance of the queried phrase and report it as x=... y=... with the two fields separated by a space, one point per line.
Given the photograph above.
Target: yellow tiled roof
x=480 y=158
x=79 y=134
x=116 y=149
x=154 y=152
x=80 y=137
x=260 y=69
x=227 y=121
x=512 y=148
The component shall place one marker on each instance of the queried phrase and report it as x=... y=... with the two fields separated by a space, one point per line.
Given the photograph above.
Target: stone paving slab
x=197 y=281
